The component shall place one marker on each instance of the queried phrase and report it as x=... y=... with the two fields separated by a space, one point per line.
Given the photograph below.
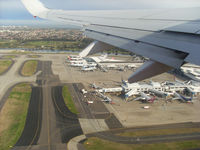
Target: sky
x=12 y=12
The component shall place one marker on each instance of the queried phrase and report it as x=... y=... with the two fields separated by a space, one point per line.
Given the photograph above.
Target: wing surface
x=169 y=38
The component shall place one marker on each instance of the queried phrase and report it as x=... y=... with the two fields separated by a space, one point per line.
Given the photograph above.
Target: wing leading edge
x=168 y=37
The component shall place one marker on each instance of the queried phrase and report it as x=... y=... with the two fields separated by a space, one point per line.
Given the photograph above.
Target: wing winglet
x=36 y=8
x=147 y=70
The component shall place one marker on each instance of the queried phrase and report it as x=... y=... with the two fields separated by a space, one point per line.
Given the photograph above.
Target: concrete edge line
x=73 y=143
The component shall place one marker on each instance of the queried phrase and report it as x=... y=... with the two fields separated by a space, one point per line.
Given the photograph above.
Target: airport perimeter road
x=112 y=134
x=146 y=139
x=57 y=124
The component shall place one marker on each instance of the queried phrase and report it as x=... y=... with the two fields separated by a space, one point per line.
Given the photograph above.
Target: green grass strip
x=99 y=144
x=13 y=116
x=9 y=56
x=156 y=132
x=68 y=100
x=4 y=65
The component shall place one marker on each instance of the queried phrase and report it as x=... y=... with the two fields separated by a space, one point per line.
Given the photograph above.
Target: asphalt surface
x=32 y=127
x=49 y=125
x=66 y=121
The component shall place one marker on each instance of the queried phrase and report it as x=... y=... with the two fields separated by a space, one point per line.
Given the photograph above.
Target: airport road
x=56 y=124
x=146 y=139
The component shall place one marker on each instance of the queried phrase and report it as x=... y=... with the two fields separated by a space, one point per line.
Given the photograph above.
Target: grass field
x=160 y=132
x=99 y=144
x=68 y=100
x=13 y=116
x=48 y=44
x=9 y=56
x=4 y=65
x=34 y=56
x=29 y=68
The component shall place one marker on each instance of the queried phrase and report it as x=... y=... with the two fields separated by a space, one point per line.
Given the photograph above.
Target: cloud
x=11 y=5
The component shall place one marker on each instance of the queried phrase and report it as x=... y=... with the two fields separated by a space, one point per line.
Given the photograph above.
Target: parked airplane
x=78 y=64
x=145 y=97
x=72 y=58
x=158 y=93
x=169 y=37
x=182 y=98
x=91 y=64
x=105 y=98
x=88 y=68
x=95 y=86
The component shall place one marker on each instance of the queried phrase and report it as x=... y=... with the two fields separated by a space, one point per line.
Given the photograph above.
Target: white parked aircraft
x=73 y=58
x=169 y=37
x=182 y=98
x=159 y=93
x=78 y=63
x=145 y=97
x=88 y=68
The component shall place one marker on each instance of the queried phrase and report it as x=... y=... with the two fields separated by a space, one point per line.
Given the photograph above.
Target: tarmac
x=12 y=77
x=50 y=125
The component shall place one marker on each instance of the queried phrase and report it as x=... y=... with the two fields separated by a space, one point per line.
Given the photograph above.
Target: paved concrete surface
x=73 y=143
x=93 y=125
x=12 y=77
x=129 y=114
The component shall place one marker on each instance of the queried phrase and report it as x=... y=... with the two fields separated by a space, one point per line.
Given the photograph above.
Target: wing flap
x=172 y=40
x=147 y=70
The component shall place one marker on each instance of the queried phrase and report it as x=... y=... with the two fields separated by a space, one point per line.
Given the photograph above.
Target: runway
x=49 y=125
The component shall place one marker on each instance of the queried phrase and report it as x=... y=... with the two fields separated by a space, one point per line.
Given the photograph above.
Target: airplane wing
x=169 y=38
